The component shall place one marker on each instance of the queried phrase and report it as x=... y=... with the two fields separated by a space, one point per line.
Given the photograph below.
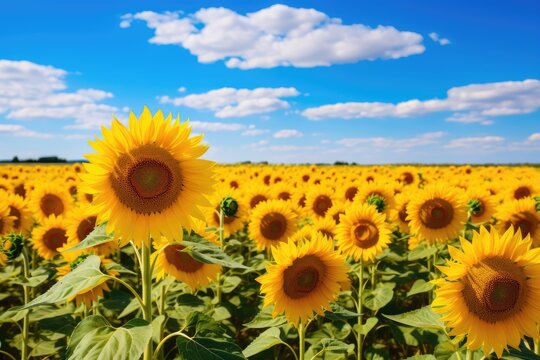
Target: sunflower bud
x=229 y=206
x=377 y=201
x=474 y=206
x=537 y=199
x=78 y=261
x=11 y=245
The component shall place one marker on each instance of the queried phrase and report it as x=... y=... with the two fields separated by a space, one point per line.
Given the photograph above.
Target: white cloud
x=216 y=126
x=182 y=89
x=230 y=102
x=279 y=35
x=469 y=118
x=288 y=133
x=19 y=130
x=33 y=91
x=534 y=137
x=253 y=131
x=467 y=102
x=483 y=142
x=77 y=137
x=435 y=37
x=392 y=143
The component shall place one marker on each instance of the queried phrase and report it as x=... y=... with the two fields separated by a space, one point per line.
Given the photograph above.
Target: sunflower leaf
x=420 y=286
x=96 y=237
x=265 y=319
x=423 y=318
x=330 y=349
x=266 y=340
x=421 y=252
x=95 y=338
x=379 y=297
x=204 y=251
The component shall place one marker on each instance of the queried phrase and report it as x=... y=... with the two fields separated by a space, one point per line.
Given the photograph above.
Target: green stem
x=147 y=292
x=301 y=340
x=359 y=338
x=218 y=291
x=132 y=290
x=469 y=355
x=8 y=355
x=537 y=346
x=26 y=320
x=373 y=278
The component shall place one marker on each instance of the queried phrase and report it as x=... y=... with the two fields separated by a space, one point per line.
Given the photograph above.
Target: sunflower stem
x=301 y=340
x=469 y=355
x=537 y=345
x=359 y=337
x=147 y=292
x=218 y=291
x=26 y=319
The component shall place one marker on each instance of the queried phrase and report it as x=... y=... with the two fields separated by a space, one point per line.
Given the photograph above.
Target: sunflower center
x=403 y=214
x=20 y=190
x=302 y=201
x=256 y=200
x=525 y=221
x=407 y=177
x=366 y=234
x=327 y=233
x=284 y=195
x=147 y=180
x=85 y=227
x=350 y=193
x=321 y=205
x=273 y=226
x=13 y=211
x=337 y=215
x=522 y=192
x=181 y=260
x=303 y=276
x=54 y=238
x=51 y=204
x=495 y=289
x=436 y=213
x=89 y=197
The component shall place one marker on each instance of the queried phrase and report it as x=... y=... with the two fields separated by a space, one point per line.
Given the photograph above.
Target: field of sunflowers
x=148 y=251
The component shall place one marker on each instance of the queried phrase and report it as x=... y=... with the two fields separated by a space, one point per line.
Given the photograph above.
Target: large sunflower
x=437 y=213
x=522 y=215
x=50 y=236
x=171 y=260
x=147 y=178
x=272 y=222
x=362 y=233
x=491 y=292
x=305 y=278
x=49 y=199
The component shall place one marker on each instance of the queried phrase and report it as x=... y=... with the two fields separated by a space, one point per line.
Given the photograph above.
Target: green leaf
x=422 y=357
x=378 y=298
x=264 y=319
x=84 y=277
x=156 y=328
x=421 y=252
x=330 y=349
x=269 y=338
x=369 y=325
x=94 y=338
x=204 y=251
x=340 y=313
x=98 y=236
x=230 y=283
x=420 y=286
x=423 y=318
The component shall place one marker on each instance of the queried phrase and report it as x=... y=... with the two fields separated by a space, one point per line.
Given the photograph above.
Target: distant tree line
x=43 y=159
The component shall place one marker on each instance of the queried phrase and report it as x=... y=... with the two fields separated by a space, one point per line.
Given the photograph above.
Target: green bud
x=229 y=206
x=12 y=245
x=378 y=201
x=79 y=260
x=474 y=206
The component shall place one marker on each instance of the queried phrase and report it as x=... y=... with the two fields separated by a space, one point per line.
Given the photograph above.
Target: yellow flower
x=305 y=279
x=49 y=199
x=522 y=215
x=233 y=223
x=318 y=200
x=491 y=292
x=22 y=215
x=272 y=222
x=147 y=178
x=50 y=236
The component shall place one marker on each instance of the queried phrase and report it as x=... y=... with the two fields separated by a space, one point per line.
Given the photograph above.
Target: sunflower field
x=148 y=251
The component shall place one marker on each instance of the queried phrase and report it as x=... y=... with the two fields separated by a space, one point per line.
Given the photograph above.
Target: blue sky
x=294 y=81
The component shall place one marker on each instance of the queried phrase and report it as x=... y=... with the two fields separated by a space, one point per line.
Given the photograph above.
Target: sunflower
x=147 y=179
x=171 y=260
x=491 y=292
x=318 y=200
x=305 y=278
x=362 y=233
x=336 y=211
x=326 y=226
x=50 y=236
x=377 y=194
x=272 y=222
x=49 y=199
x=257 y=194
x=399 y=213
x=522 y=215
x=80 y=224
x=481 y=204
x=437 y=213
x=233 y=223
x=6 y=220
x=521 y=189
x=18 y=209
x=407 y=176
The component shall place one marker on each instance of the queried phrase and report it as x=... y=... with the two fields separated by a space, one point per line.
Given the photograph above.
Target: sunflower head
x=272 y=222
x=229 y=206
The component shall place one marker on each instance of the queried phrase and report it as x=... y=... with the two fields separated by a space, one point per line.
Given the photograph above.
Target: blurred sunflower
x=522 y=215
x=437 y=213
x=19 y=210
x=147 y=179
x=318 y=200
x=305 y=278
x=521 y=189
x=399 y=213
x=233 y=222
x=325 y=225
x=377 y=194
x=491 y=292
x=481 y=204
x=49 y=199
x=171 y=260
x=50 y=236
x=6 y=220
x=257 y=194
x=362 y=233
x=271 y=222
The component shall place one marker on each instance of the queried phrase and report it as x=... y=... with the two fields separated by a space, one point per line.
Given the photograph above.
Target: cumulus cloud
x=19 y=130
x=288 y=133
x=231 y=102
x=392 y=143
x=279 y=35
x=534 y=137
x=470 y=103
x=481 y=142
x=34 y=91
x=253 y=131
x=216 y=126
x=435 y=37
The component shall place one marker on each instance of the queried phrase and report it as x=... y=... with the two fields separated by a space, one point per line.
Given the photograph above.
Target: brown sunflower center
x=85 y=227
x=273 y=226
x=337 y=215
x=407 y=178
x=436 y=213
x=303 y=276
x=403 y=214
x=321 y=205
x=13 y=211
x=147 y=180
x=302 y=201
x=284 y=195
x=256 y=200
x=366 y=234
x=89 y=197
x=20 y=190
x=51 y=204
x=522 y=192
x=525 y=221
x=350 y=193
x=73 y=190
x=495 y=289
x=54 y=238
x=181 y=260
x=329 y=234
